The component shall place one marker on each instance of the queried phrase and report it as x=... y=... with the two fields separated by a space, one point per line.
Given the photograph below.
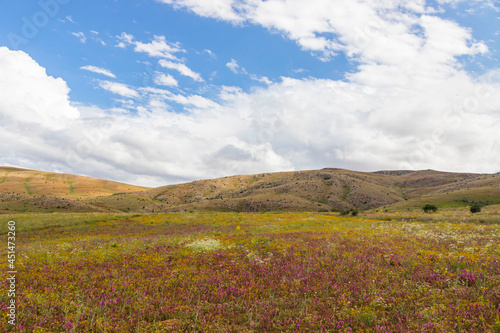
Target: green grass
x=488 y=215
x=124 y=202
x=71 y=187
x=452 y=199
x=68 y=221
x=4 y=178
x=27 y=187
x=347 y=191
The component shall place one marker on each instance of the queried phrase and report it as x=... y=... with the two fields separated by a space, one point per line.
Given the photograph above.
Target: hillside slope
x=39 y=191
x=317 y=190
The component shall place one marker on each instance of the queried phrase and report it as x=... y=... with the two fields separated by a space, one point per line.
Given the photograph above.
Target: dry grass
x=321 y=190
x=38 y=183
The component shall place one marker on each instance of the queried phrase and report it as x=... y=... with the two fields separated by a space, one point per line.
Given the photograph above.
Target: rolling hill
x=23 y=190
x=317 y=190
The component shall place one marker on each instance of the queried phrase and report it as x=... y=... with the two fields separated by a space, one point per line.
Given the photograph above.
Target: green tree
x=429 y=207
x=475 y=208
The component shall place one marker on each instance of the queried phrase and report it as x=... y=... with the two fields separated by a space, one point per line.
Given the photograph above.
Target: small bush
x=430 y=207
x=352 y=211
x=475 y=208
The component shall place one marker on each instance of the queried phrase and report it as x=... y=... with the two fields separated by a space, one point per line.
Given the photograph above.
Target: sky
x=156 y=92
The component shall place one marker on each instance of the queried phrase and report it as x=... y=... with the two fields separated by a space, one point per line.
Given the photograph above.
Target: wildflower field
x=238 y=272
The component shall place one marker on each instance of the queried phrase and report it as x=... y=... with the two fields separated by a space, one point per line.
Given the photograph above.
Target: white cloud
x=210 y=53
x=223 y=9
x=126 y=38
x=327 y=27
x=70 y=19
x=409 y=104
x=81 y=36
x=262 y=79
x=158 y=48
x=103 y=43
x=29 y=95
x=165 y=80
x=98 y=70
x=181 y=68
x=487 y=3
x=152 y=147
x=118 y=88
x=235 y=68
x=199 y=102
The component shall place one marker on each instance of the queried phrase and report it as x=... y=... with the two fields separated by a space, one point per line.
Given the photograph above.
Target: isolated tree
x=429 y=207
x=475 y=208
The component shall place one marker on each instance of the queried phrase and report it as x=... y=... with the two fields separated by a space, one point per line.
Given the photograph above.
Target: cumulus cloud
x=98 y=70
x=323 y=26
x=181 y=68
x=28 y=94
x=40 y=129
x=409 y=104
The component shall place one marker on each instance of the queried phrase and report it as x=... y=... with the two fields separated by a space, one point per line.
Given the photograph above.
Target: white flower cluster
x=205 y=244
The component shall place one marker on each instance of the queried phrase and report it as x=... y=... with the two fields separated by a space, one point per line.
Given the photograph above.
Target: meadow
x=260 y=272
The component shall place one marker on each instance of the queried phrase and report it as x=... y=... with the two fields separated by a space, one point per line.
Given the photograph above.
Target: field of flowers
x=235 y=272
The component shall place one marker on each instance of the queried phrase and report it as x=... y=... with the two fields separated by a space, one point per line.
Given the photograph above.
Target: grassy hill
x=23 y=190
x=317 y=190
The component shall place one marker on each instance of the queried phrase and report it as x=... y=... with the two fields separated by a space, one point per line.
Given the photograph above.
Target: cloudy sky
x=155 y=92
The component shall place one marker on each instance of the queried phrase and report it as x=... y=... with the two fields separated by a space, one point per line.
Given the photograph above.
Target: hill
x=23 y=190
x=317 y=190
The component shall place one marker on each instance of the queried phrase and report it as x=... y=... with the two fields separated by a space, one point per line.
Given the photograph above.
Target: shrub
x=352 y=211
x=429 y=207
x=475 y=208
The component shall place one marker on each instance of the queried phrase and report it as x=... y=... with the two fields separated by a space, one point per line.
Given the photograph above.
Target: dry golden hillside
x=31 y=190
x=317 y=190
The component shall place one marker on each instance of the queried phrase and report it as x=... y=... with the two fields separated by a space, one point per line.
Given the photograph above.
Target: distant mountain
x=318 y=190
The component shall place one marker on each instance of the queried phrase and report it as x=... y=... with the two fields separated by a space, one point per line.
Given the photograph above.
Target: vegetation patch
x=4 y=178
x=430 y=208
x=293 y=272
x=27 y=187
x=205 y=244
x=71 y=187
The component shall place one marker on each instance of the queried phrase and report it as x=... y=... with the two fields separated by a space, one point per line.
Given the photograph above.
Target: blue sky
x=155 y=92
x=62 y=53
